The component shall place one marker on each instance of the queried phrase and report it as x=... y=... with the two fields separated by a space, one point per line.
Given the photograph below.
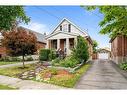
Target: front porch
x=64 y=44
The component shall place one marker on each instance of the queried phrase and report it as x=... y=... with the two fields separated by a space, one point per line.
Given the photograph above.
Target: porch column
x=58 y=44
x=67 y=46
x=47 y=44
x=75 y=41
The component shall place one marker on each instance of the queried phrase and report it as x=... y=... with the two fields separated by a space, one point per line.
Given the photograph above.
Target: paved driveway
x=102 y=75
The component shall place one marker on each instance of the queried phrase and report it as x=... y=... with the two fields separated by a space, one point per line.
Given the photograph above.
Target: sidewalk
x=26 y=84
x=17 y=64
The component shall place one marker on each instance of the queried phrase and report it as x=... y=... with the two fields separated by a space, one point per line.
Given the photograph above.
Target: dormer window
x=60 y=27
x=69 y=28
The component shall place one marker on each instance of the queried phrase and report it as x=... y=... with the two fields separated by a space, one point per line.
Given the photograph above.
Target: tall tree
x=115 y=19
x=11 y=14
x=19 y=43
x=80 y=52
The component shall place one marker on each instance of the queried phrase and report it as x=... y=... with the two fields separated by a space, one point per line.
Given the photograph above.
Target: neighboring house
x=41 y=43
x=64 y=37
x=119 y=49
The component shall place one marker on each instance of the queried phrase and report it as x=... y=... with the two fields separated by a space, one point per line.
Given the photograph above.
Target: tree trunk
x=23 y=61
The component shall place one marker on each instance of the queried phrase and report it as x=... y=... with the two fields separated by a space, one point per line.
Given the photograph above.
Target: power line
x=43 y=10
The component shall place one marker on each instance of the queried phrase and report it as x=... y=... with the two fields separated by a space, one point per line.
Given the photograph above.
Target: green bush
x=29 y=59
x=123 y=66
x=11 y=59
x=56 y=61
x=69 y=62
x=16 y=59
x=52 y=55
x=44 y=54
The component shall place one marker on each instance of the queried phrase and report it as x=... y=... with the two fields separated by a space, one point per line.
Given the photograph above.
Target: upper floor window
x=69 y=28
x=60 y=27
x=65 y=27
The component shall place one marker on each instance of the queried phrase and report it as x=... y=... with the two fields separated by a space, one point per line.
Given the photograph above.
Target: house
x=64 y=37
x=119 y=49
x=41 y=43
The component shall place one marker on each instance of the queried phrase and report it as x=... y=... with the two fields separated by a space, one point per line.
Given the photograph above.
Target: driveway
x=102 y=75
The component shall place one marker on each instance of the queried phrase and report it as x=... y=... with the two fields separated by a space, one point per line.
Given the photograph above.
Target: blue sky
x=45 y=18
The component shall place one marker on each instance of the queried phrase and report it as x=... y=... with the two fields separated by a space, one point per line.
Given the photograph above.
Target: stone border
x=122 y=72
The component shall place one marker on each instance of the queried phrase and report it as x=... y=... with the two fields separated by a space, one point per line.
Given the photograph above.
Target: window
x=69 y=28
x=60 y=27
x=65 y=27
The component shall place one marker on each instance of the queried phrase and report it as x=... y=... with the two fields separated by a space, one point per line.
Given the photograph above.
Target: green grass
x=5 y=63
x=69 y=82
x=5 y=87
x=13 y=71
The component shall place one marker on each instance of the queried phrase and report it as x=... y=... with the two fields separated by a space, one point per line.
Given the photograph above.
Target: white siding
x=73 y=28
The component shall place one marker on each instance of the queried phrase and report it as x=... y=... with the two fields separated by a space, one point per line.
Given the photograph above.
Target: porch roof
x=61 y=35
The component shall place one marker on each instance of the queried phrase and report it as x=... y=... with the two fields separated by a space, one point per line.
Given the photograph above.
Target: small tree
x=95 y=44
x=80 y=52
x=19 y=43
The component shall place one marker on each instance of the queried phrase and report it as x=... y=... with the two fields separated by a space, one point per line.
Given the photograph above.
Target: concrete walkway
x=102 y=75
x=25 y=84
x=17 y=64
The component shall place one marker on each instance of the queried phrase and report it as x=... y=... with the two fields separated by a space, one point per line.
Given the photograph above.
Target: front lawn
x=13 y=71
x=58 y=77
x=5 y=63
x=5 y=87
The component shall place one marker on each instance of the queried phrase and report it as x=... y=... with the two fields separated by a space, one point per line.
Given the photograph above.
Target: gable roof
x=40 y=37
x=65 y=19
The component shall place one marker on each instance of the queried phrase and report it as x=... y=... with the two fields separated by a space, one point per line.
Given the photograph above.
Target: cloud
x=38 y=27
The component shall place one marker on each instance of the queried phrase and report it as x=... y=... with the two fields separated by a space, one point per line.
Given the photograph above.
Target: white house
x=64 y=37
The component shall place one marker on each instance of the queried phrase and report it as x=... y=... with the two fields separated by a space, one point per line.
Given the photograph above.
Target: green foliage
x=29 y=59
x=5 y=87
x=95 y=44
x=69 y=62
x=80 y=52
x=123 y=66
x=10 y=59
x=56 y=62
x=10 y=14
x=52 y=55
x=115 y=19
x=44 y=54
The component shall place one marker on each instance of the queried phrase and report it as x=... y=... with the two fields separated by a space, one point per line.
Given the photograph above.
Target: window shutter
x=69 y=28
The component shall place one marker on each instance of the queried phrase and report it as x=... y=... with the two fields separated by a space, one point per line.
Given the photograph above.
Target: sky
x=45 y=18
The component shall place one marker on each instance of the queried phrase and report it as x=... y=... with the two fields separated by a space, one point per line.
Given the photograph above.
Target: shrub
x=52 y=55
x=56 y=61
x=80 y=52
x=15 y=59
x=69 y=62
x=123 y=66
x=44 y=54
x=29 y=59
